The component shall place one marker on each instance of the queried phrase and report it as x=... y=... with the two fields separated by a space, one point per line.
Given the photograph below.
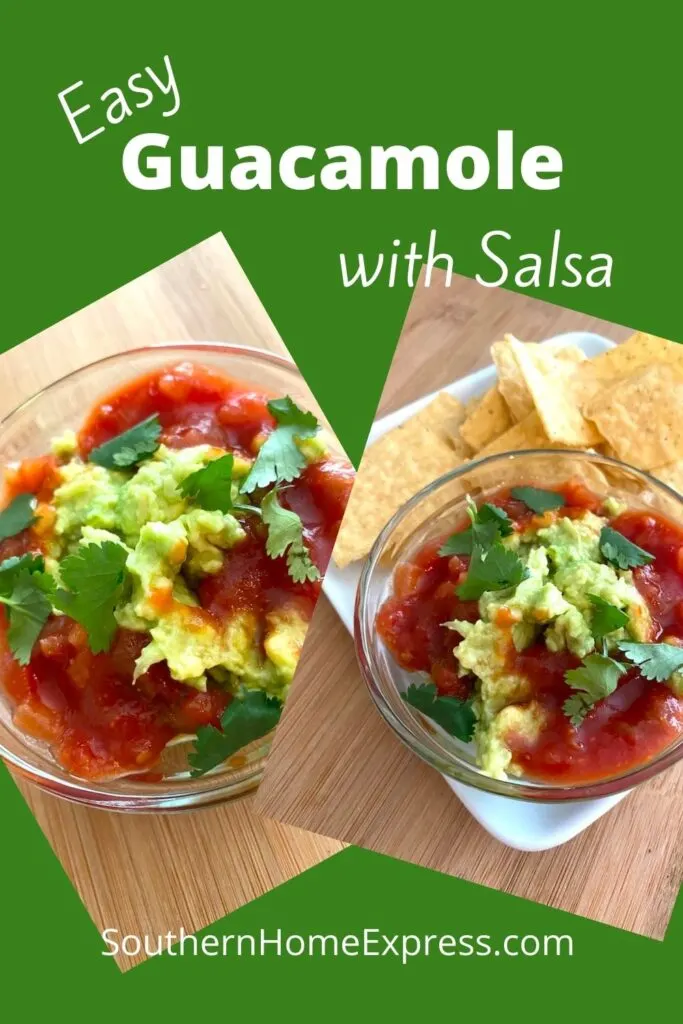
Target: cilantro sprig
x=246 y=718
x=455 y=716
x=286 y=537
x=491 y=569
x=657 y=662
x=129 y=448
x=606 y=617
x=95 y=578
x=596 y=679
x=25 y=591
x=211 y=487
x=18 y=516
x=537 y=499
x=620 y=551
x=280 y=460
x=488 y=523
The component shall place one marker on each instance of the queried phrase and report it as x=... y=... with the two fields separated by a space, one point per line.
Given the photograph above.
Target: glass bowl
x=436 y=510
x=26 y=433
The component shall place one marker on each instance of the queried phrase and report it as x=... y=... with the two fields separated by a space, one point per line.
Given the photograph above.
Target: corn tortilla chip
x=511 y=384
x=640 y=417
x=545 y=377
x=489 y=420
x=392 y=470
x=427 y=508
x=671 y=475
x=527 y=434
x=570 y=353
x=443 y=416
x=635 y=354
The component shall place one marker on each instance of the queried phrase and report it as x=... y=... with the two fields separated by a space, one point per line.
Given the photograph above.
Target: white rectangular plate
x=520 y=824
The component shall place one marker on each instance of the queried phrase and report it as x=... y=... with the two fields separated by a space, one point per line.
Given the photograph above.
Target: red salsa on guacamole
x=566 y=648
x=178 y=542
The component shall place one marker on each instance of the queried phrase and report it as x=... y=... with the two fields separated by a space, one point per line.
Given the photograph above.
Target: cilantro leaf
x=130 y=447
x=11 y=568
x=577 y=707
x=489 y=523
x=492 y=569
x=455 y=716
x=246 y=718
x=286 y=536
x=95 y=577
x=657 y=662
x=618 y=550
x=537 y=499
x=211 y=486
x=596 y=679
x=19 y=514
x=28 y=609
x=606 y=617
x=280 y=459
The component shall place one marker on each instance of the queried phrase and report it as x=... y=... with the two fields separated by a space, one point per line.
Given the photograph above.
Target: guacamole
x=177 y=544
x=560 y=625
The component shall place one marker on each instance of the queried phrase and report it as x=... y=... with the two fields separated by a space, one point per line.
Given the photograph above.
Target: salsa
x=622 y=731
x=99 y=720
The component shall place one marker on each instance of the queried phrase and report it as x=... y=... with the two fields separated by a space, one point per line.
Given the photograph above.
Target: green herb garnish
x=246 y=718
x=488 y=523
x=129 y=448
x=491 y=569
x=621 y=552
x=596 y=679
x=95 y=578
x=11 y=568
x=537 y=499
x=286 y=537
x=455 y=716
x=18 y=516
x=606 y=617
x=657 y=662
x=211 y=487
x=25 y=591
x=280 y=459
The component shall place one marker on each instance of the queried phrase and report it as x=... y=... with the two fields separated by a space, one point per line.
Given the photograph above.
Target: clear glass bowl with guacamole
x=519 y=624
x=166 y=517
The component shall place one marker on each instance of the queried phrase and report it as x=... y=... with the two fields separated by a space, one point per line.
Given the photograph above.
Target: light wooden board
x=152 y=874
x=348 y=777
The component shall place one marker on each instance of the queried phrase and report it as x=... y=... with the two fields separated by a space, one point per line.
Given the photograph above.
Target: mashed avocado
x=552 y=605
x=172 y=545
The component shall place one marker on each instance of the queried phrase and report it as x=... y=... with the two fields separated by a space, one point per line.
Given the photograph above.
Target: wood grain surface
x=151 y=874
x=349 y=777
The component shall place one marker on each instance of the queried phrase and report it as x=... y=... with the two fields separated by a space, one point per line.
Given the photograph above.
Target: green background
x=601 y=92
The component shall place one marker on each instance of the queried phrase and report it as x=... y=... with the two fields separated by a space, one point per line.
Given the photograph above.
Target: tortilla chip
x=640 y=417
x=489 y=420
x=671 y=475
x=511 y=384
x=527 y=434
x=443 y=416
x=393 y=469
x=571 y=353
x=545 y=376
x=427 y=508
x=637 y=353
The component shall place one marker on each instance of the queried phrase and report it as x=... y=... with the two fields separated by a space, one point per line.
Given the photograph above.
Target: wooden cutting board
x=151 y=874
x=349 y=777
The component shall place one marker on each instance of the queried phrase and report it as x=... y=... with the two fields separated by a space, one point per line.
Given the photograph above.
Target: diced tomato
x=99 y=722
x=633 y=725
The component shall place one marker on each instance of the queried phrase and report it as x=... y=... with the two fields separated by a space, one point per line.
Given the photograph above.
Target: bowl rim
x=151 y=796
x=517 y=788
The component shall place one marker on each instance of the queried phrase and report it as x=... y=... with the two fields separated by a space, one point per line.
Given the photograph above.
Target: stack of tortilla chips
x=625 y=403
